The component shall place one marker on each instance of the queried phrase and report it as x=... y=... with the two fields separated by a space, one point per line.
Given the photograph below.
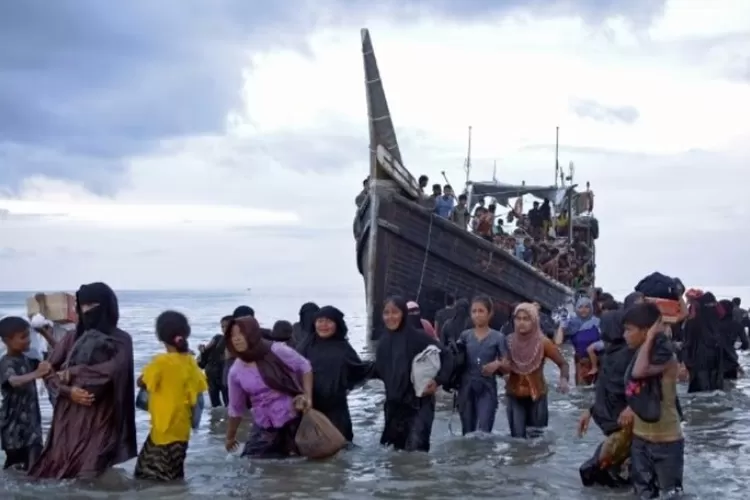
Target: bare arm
x=307 y=385
x=559 y=335
x=27 y=378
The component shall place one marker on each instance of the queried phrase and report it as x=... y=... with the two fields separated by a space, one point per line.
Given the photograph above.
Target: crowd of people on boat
x=539 y=238
x=634 y=353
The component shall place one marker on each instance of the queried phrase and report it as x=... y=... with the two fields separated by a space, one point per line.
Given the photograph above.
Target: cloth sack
x=141 y=402
x=424 y=367
x=317 y=437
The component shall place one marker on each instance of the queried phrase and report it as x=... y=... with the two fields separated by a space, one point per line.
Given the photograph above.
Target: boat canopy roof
x=502 y=192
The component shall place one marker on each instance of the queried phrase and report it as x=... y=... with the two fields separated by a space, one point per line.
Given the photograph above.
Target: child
x=657 y=454
x=173 y=381
x=20 y=418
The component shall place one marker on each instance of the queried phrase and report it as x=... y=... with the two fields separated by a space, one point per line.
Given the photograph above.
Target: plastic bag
x=141 y=402
x=317 y=437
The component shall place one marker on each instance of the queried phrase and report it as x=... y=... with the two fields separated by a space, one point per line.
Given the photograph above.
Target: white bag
x=424 y=367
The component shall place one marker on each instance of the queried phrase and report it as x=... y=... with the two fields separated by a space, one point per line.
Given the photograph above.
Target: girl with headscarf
x=337 y=367
x=306 y=324
x=610 y=409
x=417 y=321
x=276 y=380
x=408 y=418
x=582 y=331
x=526 y=389
x=702 y=351
x=93 y=425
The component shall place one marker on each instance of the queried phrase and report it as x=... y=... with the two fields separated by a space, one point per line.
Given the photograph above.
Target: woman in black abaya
x=408 y=418
x=702 y=351
x=336 y=365
x=730 y=333
x=304 y=327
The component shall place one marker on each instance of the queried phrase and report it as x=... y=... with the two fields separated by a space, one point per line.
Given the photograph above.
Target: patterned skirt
x=164 y=462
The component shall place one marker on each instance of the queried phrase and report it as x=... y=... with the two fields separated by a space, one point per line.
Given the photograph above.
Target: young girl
x=477 y=395
x=526 y=389
x=173 y=381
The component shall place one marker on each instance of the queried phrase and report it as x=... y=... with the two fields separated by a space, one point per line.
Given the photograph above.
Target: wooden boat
x=404 y=249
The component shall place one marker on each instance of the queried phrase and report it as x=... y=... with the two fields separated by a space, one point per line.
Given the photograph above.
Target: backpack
x=457 y=350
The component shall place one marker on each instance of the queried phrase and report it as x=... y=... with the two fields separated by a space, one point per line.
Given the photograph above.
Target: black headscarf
x=461 y=321
x=243 y=311
x=307 y=316
x=328 y=312
x=395 y=352
x=104 y=316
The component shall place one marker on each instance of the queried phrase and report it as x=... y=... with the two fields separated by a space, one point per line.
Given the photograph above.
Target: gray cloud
x=612 y=115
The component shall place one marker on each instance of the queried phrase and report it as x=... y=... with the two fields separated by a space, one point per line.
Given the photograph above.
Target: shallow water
x=717 y=434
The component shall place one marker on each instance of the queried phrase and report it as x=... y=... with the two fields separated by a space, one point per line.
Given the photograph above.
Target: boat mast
x=467 y=167
x=557 y=153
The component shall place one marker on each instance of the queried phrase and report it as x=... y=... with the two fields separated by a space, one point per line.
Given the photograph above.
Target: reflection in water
x=480 y=466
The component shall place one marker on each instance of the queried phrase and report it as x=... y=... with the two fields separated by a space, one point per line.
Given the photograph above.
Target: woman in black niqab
x=408 y=418
x=336 y=365
x=305 y=327
x=460 y=321
x=702 y=350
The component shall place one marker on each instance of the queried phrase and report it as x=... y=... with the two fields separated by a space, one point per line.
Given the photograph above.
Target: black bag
x=643 y=395
x=457 y=350
x=660 y=286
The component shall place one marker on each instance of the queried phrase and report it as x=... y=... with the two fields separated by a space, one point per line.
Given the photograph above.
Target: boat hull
x=404 y=249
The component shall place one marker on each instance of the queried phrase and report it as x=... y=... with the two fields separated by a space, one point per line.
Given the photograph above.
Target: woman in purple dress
x=275 y=381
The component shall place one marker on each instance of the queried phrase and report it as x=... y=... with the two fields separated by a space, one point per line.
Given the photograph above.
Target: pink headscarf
x=526 y=350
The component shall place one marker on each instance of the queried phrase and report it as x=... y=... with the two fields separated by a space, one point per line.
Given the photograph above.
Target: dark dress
x=408 y=418
x=109 y=437
x=338 y=369
x=703 y=353
x=211 y=361
x=20 y=418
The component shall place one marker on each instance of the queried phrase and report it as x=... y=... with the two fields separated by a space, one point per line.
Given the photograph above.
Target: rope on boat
x=426 y=256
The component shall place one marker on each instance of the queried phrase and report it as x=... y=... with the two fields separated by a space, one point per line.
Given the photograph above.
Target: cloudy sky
x=195 y=144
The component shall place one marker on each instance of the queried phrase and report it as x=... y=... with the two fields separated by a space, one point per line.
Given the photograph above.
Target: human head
x=173 y=329
x=307 y=315
x=395 y=312
x=584 y=307
x=481 y=310
x=282 y=331
x=737 y=302
x=14 y=332
x=423 y=181
x=462 y=199
x=41 y=324
x=225 y=323
x=413 y=308
x=245 y=339
x=637 y=321
x=633 y=299
x=329 y=323
x=97 y=308
x=447 y=190
x=526 y=319
x=243 y=312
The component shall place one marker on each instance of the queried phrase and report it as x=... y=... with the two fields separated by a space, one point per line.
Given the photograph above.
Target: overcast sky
x=192 y=144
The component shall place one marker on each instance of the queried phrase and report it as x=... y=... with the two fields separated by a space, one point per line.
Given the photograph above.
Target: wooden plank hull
x=419 y=255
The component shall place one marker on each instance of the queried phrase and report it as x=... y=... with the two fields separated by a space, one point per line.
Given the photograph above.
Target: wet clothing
x=656 y=467
x=271 y=408
x=408 y=418
x=98 y=358
x=451 y=330
x=272 y=442
x=20 y=418
x=161 y=462
x=174 y=382
x=477 y=396
x=211 y=360
x=337 y=369
x=703 y=353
